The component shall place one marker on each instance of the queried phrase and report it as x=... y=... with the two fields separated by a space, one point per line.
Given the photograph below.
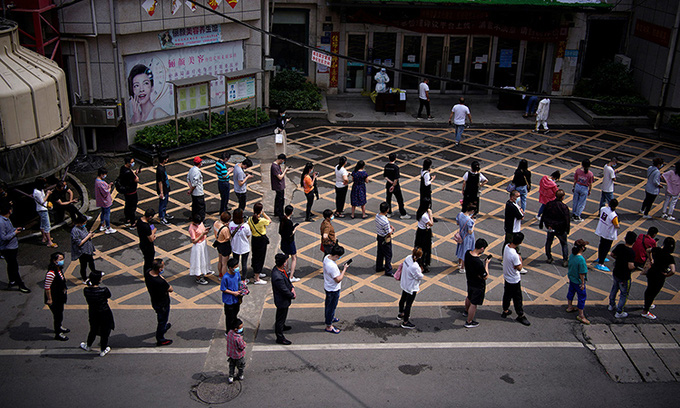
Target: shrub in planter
x=674 y=121
x=194 y=130
x=611 y=82
x=290 y=90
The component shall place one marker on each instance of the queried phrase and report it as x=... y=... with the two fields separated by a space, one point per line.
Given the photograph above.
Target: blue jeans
x=330 y=305
x=522 y=190
x=540 y=210
x=580 y=197
x=162 y=315
x=575 y=288
x=223 y=187
x=106 y=216
x=163 y=205
x=532 y=104
x=605 y=199
x=624 y=287
x=459 y=132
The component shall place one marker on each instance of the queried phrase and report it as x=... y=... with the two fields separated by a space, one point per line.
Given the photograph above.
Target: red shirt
x=640 y=247
x=583 y=178
x=236 y=346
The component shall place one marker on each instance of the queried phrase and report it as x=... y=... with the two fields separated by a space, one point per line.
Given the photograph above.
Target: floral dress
x=358 y=196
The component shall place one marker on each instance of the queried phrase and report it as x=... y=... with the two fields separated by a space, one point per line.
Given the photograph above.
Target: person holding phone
x=287 y=232
x=129 y=181
x=332 y=281
x=147 y=235
x=476 y=273
x=199 y=262
x=411 y=275
x=307 y=181
x=9 y=248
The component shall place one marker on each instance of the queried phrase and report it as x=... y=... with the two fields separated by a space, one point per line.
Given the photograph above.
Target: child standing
x=236 y=350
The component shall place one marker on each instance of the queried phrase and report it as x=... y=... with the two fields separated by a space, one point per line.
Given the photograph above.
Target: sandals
x=572 y=310
x=582 y=320
x=334 y=330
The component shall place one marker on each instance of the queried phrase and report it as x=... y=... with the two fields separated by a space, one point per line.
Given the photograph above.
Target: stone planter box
x=308 y=114
x=606 y=121
x=148 y=154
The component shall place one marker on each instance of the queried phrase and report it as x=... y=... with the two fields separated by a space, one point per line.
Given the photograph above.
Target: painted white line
x=70 y=351
x=660 y=346
x=415 y=346
x=637 y=346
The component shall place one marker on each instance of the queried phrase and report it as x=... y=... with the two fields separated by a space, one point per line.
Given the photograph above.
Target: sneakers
x=649 y=316
x=523 y=271
x=506 y=314
x=472 y=324
x=85 y=347
x=610 y=308
x=104 y=352
x=405 y=217
x=263 y=275
x=400 y=316
x=408 y=325
x=294 y=279
x=230 y=380
x=647 y=217
x=164 y=221
x=201 y=281
x=549 y=261
x=259 y=282
x=110 y=231
x=461 y=270
x=620 y=315
x=24 y=289
x=671 y=218
x=102 y=228
x=169 y=217
x=565 y=264
x=62 y=337
x=538 y=217
x=240 y=377
x=285 y=342
x=165 y=342
x=430 y=117
x=209 y=273
x=523 y=319
x=602 y=268
x=652 y=306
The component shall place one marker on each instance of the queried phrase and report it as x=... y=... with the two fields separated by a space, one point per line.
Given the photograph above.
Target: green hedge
x=611 y=82
x=290 y=90
x=193 y=130
x=674 y=121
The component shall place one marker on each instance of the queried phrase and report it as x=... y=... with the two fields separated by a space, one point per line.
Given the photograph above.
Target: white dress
x=200 y=260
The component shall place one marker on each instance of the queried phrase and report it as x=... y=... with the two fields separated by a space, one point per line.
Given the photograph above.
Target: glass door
x=507 y=55
x=479 y=62
x=410 y=61
x=356 y=71
x=455 y=67
x=434 y=60
x=384 y=52
x=533 y=64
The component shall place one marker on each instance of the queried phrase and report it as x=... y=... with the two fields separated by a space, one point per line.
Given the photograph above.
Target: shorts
x=289 y=248
x=476 y=295
x=223 y=248
x=44 y=221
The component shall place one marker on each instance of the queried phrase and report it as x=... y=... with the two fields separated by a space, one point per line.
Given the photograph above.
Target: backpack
x=119 y=186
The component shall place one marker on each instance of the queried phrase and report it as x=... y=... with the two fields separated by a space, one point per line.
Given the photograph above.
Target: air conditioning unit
x=622 y=59
x=95 y=115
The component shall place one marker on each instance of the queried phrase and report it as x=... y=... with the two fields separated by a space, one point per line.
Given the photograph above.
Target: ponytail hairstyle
x=360 y=165
x=257 y=210
x=308 y=167
x=341 y=162
x=586 y=165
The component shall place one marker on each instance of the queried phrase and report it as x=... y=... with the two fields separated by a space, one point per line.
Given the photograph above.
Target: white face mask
x=132 y=164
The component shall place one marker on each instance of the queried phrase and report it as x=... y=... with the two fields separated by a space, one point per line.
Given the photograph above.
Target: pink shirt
x=102 y=193
x=583 y=178
x=672 y=182
x=197 y=230
x=546 y=190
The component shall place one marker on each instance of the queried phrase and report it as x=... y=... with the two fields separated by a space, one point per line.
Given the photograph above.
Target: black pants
x=198 y=206
x=405 y=304
x=278 y=203
x=13 y=276
x=149 y=255
x=243 y=260
x=98 y=329
x=130 y=208
x=383 y=257
x=241 y=200
x=85 y=261
x=58 y=315
x=230 y=315
x=281 y=315
x=647 y=204
x=424 y=242
x=654 y=286
x=513 y=291
x=340 y=196
x=259 y=249
x=603 y=249
x=310 y=201
x=162 y=316
x=426 y=104
x=562 y=237
x=70 y=208
x=398 y=195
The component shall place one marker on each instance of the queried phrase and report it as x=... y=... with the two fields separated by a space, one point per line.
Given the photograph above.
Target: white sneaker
x=523 y=271
x=294 y=279
x=110 y=231
x=610 y=308
x=664 y=216
x=89 y=217
x=405 y=217
x=647 y=216
x=649 y=316
x=263 y=275
x=652 y=306
x=621 y=315
x=84 y=346
x=259 y=282
x=102 y=228
x=461 y=270
x=230 y=380
x=201 y=281
x=105 y=352
x=209 y=273
x=671 y=218
x=538 y=217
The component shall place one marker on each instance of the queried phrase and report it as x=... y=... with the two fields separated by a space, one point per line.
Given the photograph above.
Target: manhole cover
x=344 y=115
x=217 y=390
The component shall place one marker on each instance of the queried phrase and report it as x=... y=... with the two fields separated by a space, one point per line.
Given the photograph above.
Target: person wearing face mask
x=40 y=197
x=578 y=274
x=102 y=195
x=284 y=293
x=128 y=181
x=281 y=123
x=236 y=351
x=608 y=179
x=159 y=291
x=231 y=295
x=55 y=294
x=82 y=247
x=99 y=315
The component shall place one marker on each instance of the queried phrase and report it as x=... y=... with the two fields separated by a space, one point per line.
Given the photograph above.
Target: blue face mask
x=161 y=271
x=132 y=164
x=60 y=263
x=237 y=270
x=240 y=331
x=332 y=217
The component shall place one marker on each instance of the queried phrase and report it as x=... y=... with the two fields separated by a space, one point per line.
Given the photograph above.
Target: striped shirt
x=49 y=278
x=221 y=170
x=236 y=346
x=382 y=225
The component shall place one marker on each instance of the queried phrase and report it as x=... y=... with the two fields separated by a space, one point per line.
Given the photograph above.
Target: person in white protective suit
x=382 y=79
x=542 y=114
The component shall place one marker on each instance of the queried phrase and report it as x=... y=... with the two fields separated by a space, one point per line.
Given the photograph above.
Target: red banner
x=335 y=47
x=652 y=32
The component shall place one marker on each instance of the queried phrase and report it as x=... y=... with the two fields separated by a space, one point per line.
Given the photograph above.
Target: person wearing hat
x=284 y=293
x=578 y=274
x=278 y=180
x=195 y=182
